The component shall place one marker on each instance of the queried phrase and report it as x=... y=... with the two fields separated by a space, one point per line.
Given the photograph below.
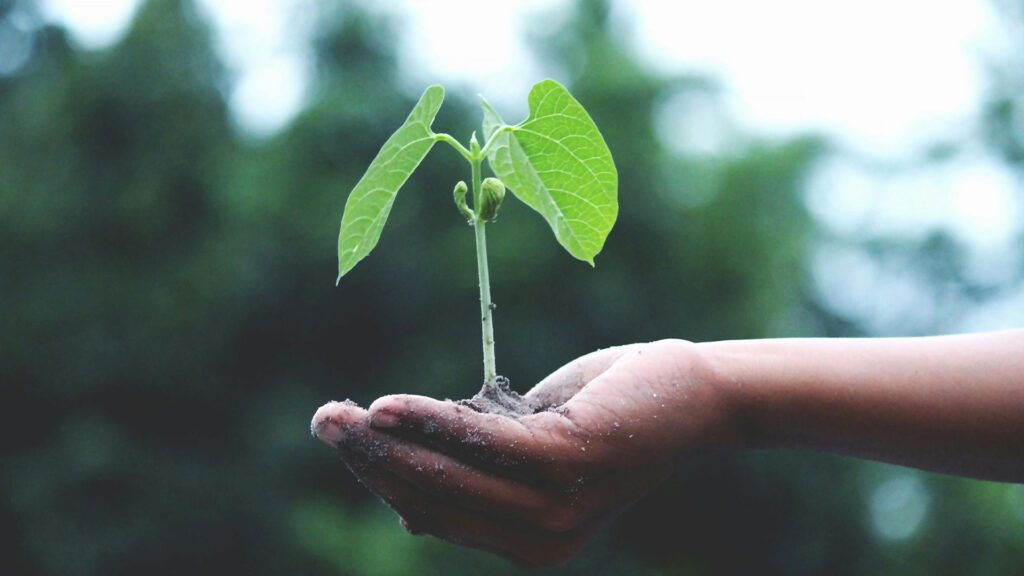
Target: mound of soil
x=500 y=399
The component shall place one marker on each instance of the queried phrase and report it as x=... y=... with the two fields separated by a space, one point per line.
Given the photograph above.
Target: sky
x=882 y=79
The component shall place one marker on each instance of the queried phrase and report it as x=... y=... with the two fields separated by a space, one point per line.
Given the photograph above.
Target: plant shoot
x=555 y=161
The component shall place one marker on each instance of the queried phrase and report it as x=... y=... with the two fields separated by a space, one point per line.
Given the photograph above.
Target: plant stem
x=486 y=311
x=454 y=144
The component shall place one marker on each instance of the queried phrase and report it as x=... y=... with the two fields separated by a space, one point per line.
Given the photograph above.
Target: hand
x=612 y=425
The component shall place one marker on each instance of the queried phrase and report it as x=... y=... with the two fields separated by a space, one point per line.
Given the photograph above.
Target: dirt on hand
x=501 y=399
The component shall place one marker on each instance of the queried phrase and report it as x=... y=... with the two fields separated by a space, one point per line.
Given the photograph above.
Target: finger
x=564 y=383
x=421 y=514
x=489 y=439
x=334 y=420
x=450 y=480
x=342 y=425
x=454 y=481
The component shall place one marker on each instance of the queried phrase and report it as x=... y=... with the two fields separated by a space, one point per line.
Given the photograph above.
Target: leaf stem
x=486 y=307
x=448 y=139
x=493 y=138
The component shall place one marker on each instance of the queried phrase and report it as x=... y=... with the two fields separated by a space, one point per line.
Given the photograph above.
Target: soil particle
x=500 y=399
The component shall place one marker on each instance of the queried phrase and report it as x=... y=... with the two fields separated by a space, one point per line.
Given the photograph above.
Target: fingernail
x=328 y=432
x=383 y=419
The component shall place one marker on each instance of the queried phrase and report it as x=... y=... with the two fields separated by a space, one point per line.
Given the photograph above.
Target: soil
x=501 y=399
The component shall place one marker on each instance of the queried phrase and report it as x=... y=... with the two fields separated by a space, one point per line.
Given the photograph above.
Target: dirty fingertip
x=384 y=419
x=392 y=402
x=328 y=432
x=328 y=420
x=384 y=412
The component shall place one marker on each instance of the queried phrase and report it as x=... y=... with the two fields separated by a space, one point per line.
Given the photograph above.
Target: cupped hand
x=609 y=427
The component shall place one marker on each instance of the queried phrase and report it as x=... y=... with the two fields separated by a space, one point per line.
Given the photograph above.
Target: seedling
x=555 y=161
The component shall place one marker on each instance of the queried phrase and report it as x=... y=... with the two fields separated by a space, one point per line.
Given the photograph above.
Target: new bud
x=492 y=192
x=460 y=199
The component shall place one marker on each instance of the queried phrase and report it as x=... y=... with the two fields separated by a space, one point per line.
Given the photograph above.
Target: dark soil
x=501 y=399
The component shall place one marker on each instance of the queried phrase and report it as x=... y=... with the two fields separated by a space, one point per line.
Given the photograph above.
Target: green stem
x=446 y=138
x=494 y=137
x=486 y=311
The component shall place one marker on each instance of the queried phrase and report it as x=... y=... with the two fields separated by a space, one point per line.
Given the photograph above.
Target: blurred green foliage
x=169 y=322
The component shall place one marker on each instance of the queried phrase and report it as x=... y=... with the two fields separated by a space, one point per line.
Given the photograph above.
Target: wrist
x=724 y=372
x=703 y=397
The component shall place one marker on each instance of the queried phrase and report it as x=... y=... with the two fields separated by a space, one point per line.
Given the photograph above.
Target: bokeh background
x=168 y=220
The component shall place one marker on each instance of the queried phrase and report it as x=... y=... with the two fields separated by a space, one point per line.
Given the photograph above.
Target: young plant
x=555 y=161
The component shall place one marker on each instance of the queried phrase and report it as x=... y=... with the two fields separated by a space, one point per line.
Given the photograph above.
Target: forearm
x=951 y=404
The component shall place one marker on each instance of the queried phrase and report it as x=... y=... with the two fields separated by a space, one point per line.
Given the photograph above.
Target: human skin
x=618 y=421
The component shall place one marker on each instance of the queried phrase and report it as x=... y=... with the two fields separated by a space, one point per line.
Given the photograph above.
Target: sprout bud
x=460 y=199
x=492 y=192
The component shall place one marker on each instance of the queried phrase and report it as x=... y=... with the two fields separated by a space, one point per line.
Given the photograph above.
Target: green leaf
x=370 y=202
x=558 y=164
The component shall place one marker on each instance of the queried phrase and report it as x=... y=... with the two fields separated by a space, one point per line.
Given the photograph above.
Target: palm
x=533 y=489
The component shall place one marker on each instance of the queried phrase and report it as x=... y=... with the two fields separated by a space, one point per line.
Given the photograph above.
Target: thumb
x=564 y=383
